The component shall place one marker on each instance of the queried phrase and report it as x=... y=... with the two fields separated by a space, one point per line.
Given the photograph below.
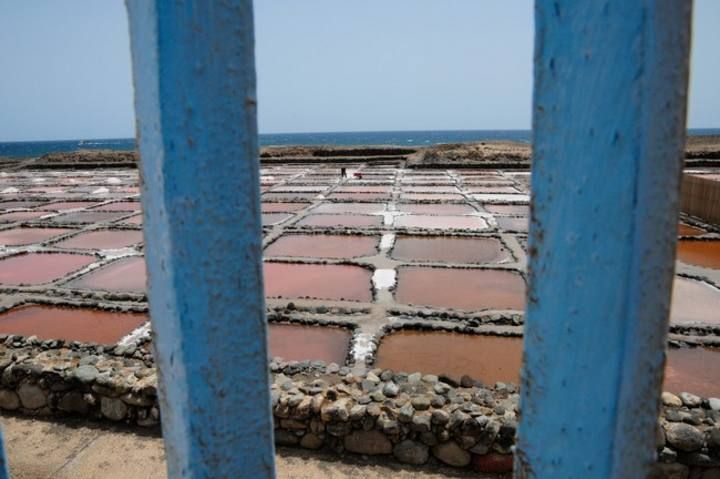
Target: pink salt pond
x=124 y=275
x=70 y=324
x=321 y=281
x=120 y=206
x=67 y=205
x=486 y=358
x=301 y=343
x=465 y=289
x=271 y=219
x=512 y=224
x=282 y=207
x=25 y=236
x=366 y=208
x=436 y=209
x=441 y=222
x=694 y=302
x=508 y=209
x=360 y=196
x=21 y=216
x=340 y=220
x=323 y=246
x=439 y=197
x=449 y=249
x=693 y=370
x=103 y=239
x=40 y=268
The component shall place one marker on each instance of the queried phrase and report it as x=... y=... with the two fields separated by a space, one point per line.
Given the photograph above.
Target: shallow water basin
x=67 y=205
x=21 y=216
x=70 y=324
x=323 y=246
x=441 y=222
x=124 y=275
x=693 y=370
x=694 y=302
x=439 y=197
x=436 y=209
x=519 y=224
x=466 y=289
x=687 y=230
x=341 y=220
x=24 y=236
x=486 y=358
x=103 y=239
x=322 y=281
x=271 y=219
x=508 y=209
x=705 y=254
x=360 y=196
x=301 y=343
x=446 y=249
x=39 y=268
x=84 y=217
x=367 y=208
x=282 y=207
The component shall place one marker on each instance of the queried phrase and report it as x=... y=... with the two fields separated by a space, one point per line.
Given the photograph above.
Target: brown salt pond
x=447 y=249
x=70 y=324
x=24 y=236
x=281 y=207
x=125 y=275
x=322 y=281
x=693 y=370
x=103 y=239
x=39 y=268
x=694 y=302
x=439 y=197
x=301 y=343
x=270 y=219
x=441 y=222
x=687 y=230
x=468 y=289
x=486 y=358
x=341 y=220
x=323 y=246
x=435 y=209
x=508 y=209
x=367 y=208
x=705 y=254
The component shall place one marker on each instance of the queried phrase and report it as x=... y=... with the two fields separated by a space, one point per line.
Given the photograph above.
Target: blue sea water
x=25 y=149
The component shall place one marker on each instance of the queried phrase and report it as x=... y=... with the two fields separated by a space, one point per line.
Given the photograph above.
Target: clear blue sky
x=323 y=65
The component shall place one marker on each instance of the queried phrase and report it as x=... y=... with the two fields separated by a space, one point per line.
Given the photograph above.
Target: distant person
x=343 y=172
x=358 y=175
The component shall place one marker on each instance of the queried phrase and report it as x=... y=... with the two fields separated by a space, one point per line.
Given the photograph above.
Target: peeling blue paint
x=194 y=76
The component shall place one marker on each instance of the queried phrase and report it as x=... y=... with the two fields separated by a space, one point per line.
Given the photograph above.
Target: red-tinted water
x=103 y=239
x=300 y=343
x=322 y=281
x=323 y=246
x=468 y=289
x=446 y=249
x=436 y=209
x=125 y=275
x=39 y=268
x=350 y=208
x=441 y=222
x=439 y=197
x=21 y=216
x=24 y=236
x=360 y=196
x=70 y=324
x=705 y=254
x=693 y=370
x=341 y=220
x=492 y=189
x=121 y=206
x=487 y=358
x=687 y=230
x=134 y=220
x=67 y=205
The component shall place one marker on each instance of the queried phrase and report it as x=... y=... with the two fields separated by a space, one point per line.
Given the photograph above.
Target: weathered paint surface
x=609 y=123
x=194 y=80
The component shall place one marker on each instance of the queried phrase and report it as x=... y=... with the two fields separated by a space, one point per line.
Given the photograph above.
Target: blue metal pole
x=609 y=131
x=194 y=78
x=4 y=474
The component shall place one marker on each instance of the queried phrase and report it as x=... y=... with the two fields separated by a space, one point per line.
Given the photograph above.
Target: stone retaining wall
x=413 y=418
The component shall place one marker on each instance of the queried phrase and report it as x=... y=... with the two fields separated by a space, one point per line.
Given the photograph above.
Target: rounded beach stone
x=368 y=442
x=31 y=396
x=411 y=452
x=669 y=399
x=451 y=454
x=9 y=400
x=113 y=409
x=684 y=437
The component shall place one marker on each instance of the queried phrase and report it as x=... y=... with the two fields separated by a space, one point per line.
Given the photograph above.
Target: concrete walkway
x=77 y=449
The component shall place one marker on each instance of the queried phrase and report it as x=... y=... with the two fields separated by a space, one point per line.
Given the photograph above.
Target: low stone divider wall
x=412 y=418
